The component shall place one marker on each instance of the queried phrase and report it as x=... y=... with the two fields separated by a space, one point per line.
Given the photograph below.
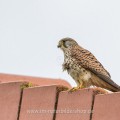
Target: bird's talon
x=74 y=89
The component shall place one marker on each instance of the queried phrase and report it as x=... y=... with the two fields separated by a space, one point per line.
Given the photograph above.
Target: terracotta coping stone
x=79 y=101
x=10 y=96
x=37 y=99
x=35 y=80
x=107 y=107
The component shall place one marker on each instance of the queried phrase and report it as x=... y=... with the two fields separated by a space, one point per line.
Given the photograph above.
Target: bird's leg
x=81 y=85
x=77 y=88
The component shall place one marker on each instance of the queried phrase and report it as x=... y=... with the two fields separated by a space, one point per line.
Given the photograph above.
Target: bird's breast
x=77 y=72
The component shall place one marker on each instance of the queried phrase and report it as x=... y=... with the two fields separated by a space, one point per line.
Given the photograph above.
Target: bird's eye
x=67 y=44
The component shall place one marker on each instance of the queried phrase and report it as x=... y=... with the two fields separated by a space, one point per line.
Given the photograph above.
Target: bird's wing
x=87 y=60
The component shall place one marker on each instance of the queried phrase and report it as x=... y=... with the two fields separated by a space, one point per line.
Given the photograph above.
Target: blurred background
x=30 y=31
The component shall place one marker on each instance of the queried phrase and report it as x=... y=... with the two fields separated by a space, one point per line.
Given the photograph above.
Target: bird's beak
x=59 y=45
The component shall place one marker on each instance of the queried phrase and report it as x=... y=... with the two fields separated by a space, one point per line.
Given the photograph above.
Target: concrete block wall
x=48 y=101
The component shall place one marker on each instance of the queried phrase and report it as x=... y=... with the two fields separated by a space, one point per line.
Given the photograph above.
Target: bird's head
x=66 y=43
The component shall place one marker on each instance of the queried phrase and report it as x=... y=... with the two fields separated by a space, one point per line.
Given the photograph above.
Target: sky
x=30 y=31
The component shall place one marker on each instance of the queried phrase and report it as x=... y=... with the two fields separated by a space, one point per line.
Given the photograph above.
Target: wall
x=47 y=99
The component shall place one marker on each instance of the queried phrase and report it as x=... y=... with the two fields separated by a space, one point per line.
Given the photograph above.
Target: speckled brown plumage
x=84 y=68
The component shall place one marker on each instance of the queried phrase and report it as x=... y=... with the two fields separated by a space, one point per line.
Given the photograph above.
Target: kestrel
x=84 y=68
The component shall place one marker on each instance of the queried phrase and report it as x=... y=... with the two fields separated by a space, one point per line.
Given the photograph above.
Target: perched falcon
x=84 y=68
